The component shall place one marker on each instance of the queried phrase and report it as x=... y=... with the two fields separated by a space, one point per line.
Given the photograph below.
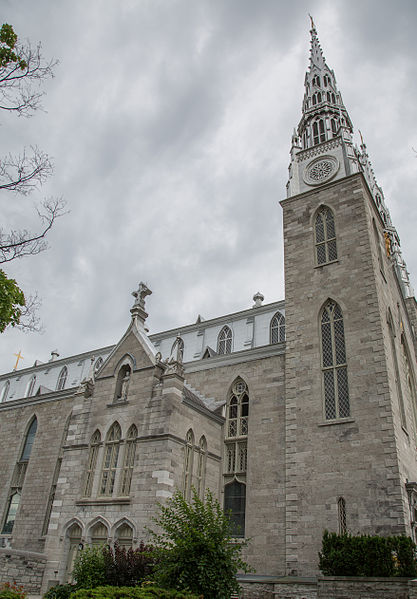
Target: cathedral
x=300 y=415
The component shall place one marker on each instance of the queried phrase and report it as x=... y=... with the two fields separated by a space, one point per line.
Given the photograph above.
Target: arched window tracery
x=110 y=459
x=62 y=379
x=18 y=478
x=277 y=328
x=31 y=387
x=224 y=341
x=188 y=464
x=5 y=391
x=129 y=460
x=95 y=443
x=325 y=236
x=334 y=365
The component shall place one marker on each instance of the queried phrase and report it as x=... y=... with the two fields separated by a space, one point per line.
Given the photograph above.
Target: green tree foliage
x=195 y=548
x=90 y=567
x=23 y=70
x=145 y=592
x=12 y=301
x=365 y=555
x=8 y=55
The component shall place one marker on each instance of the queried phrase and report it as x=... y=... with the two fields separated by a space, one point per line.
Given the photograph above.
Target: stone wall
x=23 y=567
x=340 y=587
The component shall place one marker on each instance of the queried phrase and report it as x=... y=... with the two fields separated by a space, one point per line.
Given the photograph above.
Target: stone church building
x=300 y=415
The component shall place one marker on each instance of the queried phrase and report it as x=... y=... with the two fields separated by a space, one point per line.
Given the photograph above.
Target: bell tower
x=350 y=364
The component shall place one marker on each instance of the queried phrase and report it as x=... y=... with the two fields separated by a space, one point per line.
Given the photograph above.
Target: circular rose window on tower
x=320 y=170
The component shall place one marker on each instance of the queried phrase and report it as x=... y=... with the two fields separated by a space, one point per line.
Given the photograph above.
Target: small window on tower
x=325 y=236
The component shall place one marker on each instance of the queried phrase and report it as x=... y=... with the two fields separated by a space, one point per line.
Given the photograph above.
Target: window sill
x=326 y=263
x=119 y=402
x=104 y=501
x=337 y=421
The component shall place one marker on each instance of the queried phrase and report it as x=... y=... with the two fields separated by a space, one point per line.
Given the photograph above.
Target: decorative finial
x=138 y=309
x=312 y=22
x=362 y=142
x=258 y=298
x=140 y=294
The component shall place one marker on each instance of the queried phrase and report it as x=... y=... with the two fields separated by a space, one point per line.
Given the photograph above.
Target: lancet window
x=31 y=387
x=201 y=467
x=236 y=454
x=334 y=366
x=92 y=463
x=99 y=534
x=224 y=341
x=111 y=456
x=325 y=236
x=62 y=379
x=188 y=464
x=341 y=514
x=18 y=478
x=319 y=133
x=277 y=328
x=128 y=461
x=73 y=537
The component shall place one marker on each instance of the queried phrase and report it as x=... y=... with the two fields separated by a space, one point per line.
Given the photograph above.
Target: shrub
x=60 y=591
x=148 y=592
x=365 y=555
x=11 y=590
x=90 y=567
x=195 y=548
x=128 y=567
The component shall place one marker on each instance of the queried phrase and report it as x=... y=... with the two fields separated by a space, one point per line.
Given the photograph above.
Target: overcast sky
x=169 y=123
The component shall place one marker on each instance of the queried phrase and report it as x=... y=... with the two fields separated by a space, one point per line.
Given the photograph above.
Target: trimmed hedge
x=365 y=555
x=147 y=592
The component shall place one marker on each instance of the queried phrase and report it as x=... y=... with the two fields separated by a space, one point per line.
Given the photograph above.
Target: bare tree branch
x=29 y=320
x=19 y=87
x=25 y=172
x=18 y=243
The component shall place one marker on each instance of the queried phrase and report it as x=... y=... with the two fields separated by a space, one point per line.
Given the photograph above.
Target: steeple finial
x=312 y=22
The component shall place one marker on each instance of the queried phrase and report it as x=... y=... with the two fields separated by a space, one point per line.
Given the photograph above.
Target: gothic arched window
x=188 y=464
x=224 y=341
x=325 y=236
x=177 y=350
x=95 y=442
x=99 y=534
x=237 y=429
x=18 y=479
x=73 y=536
x=124 y=535
x=334 y=366
x=5 y=391
x=111 y=455
x=341 y=515
x=122 y=383
x=201 y=467
x=62 y=379
x=31 y=387
x=277 y=328
x=128 y=460
x=235 y=506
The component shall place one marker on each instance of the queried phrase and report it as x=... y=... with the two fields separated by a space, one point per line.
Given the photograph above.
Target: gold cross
x=18 y=357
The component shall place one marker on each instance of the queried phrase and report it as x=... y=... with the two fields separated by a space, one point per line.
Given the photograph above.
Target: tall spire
x=325 y=126
x=322 y=148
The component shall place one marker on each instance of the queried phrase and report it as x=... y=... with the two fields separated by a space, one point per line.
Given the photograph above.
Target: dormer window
x=31 y=387
x=62 y=379
x=224 y=342
x=5 y=391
